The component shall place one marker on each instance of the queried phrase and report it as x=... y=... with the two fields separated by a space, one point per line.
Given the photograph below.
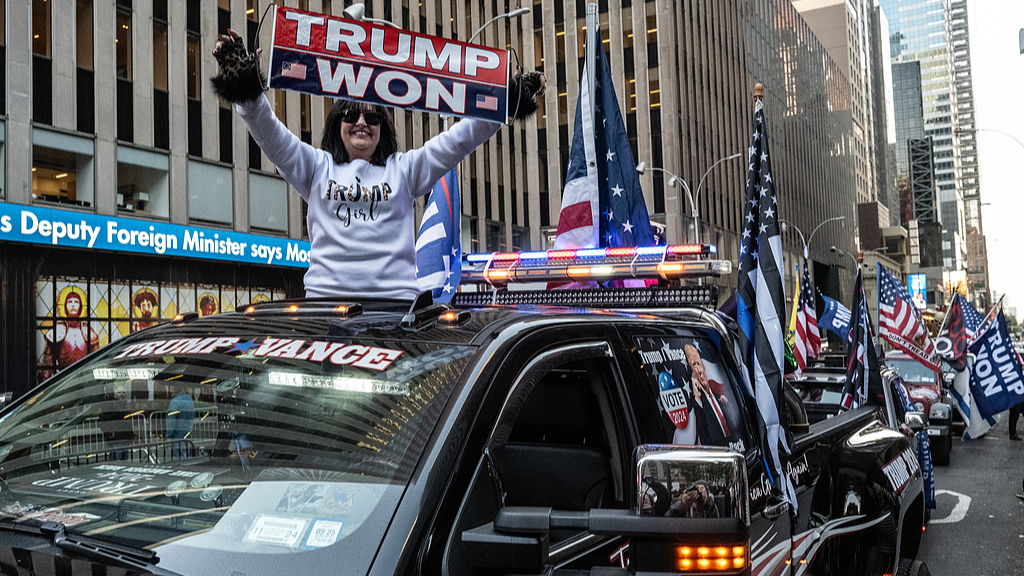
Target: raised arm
x=295 y=159
x=240 y=82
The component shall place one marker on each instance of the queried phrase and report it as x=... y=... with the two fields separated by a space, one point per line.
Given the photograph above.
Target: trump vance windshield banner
x=327 y=56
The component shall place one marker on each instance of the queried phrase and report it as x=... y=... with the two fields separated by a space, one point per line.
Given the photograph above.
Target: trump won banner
x=997 y=383
x=339 y=58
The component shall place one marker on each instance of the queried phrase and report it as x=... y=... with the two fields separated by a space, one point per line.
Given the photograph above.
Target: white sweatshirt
x=360 y=217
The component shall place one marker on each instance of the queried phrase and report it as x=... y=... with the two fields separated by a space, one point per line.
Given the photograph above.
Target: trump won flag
x=996 y=381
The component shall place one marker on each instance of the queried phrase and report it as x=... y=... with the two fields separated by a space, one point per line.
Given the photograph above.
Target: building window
x=41 y=28
x=123 y=40
x=194 y=91
x=268 y=203
x=62 y=168
x=3 y=159
x=305 y=120
x=84 y=82
x=142 y=182
x=161 y=101
x=210 y=193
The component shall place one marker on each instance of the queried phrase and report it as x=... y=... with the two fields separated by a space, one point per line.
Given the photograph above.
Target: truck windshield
x=271 y=446
x=912 y=372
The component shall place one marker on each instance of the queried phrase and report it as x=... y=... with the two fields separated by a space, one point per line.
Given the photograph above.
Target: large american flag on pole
x=899 y=321
x=761 y=307
x=974 y=322
x=602 y=203
x=807 y=343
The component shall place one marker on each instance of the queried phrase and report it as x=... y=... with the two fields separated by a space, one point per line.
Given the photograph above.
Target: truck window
x=687 y=384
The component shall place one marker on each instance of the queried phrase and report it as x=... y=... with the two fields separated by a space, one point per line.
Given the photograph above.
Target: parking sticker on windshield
x=44 y=514
x=324 y=533
x=279 y=530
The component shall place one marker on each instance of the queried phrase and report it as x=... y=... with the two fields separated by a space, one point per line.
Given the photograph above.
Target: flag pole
x=592 y=47
x=946 y=317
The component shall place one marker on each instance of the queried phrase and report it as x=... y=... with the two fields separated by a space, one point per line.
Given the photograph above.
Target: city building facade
x=922 y=31
x=108 y=118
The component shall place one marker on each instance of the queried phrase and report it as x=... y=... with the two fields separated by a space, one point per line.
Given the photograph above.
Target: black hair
x=330 y=140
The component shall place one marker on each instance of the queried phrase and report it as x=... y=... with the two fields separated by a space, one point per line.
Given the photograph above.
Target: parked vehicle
x=929 y=396
x=512 y=432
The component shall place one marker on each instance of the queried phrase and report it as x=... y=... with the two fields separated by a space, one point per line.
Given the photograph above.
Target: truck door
x=559 y=441
x=683 y=391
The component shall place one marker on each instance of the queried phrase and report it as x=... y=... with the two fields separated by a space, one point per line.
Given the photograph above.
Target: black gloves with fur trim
x=523 y=91
x=240 y=78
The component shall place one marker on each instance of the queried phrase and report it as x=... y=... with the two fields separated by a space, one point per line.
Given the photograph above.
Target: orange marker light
x=670 y=268
x=686 y=564
x=497 y=274
x=179 y=318
x=703 y=551
x=722 y=564
x=721 y=551
x=293 y=308
x=684 y=551
x=341 y=309
x=738 y=562
x=449 y=317
x=738 y=551
x=578 y=270
x=703 y=563
x=250 y=309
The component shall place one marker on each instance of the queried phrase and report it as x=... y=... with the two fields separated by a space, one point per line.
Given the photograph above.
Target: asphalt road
x=978 y=526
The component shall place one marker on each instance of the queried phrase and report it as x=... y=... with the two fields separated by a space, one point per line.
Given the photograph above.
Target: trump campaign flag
x=899 y=321
x=951 y=343
x=807 y=343
x=996 y=381
x=836 y=318
x=602 y=203
x=439 y=246
x=341 y=58
x=761 y=306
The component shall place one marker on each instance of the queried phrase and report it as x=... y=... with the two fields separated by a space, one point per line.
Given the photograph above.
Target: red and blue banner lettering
x=339 y=58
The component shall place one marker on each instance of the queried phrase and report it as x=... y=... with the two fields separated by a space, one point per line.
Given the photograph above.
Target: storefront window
x=268 y=203
x=75 y=316
x=209 y=193
x=62 y=168
x=142 y=182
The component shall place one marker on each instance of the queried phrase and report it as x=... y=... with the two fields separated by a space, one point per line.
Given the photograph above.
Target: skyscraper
x=922 y=31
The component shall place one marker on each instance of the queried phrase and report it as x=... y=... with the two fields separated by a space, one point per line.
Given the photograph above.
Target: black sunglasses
x=372 y=118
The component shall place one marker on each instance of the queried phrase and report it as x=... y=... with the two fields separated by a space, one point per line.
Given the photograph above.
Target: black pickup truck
x=552 y=432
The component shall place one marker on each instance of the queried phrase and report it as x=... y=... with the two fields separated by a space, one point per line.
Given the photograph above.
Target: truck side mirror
x=695 y=482
x=916 y=421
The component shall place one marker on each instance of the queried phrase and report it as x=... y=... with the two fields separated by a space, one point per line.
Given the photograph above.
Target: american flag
x=602 y=203
x=808 y=340
x=899 y=321
x=974 y=322
x=761 y=307
x=862 y=372
x=293 y=70
x=486 y=102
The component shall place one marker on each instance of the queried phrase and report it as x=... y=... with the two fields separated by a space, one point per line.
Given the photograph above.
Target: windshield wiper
x=110 y=553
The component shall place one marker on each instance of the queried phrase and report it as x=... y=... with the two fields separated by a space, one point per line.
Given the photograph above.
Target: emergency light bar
x=597 y=264
x=653 y=297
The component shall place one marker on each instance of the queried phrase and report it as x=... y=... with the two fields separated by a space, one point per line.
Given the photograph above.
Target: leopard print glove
x=520 y=94
x=240 y=78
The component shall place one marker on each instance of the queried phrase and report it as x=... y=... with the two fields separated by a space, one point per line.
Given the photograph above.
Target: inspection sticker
x=324 y=533
x=277 y=530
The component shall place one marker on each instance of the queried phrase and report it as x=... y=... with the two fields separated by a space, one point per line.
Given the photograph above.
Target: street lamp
x=358 y=11
x=813 y=232
x=835 y=250
x=509 y=15
x=642 y=167
x=1007 y=134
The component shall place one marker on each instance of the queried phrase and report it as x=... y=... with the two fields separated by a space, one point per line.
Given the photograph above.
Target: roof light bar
x=648 y=262
x=653 y=297
x=309 y=308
